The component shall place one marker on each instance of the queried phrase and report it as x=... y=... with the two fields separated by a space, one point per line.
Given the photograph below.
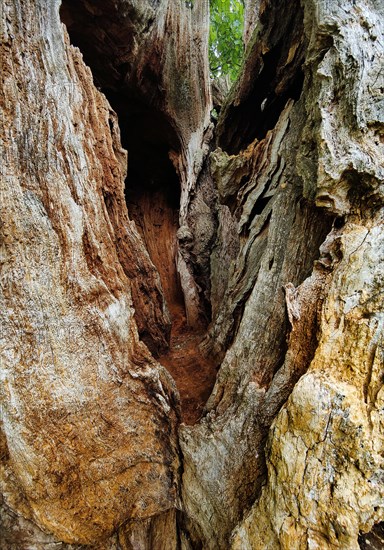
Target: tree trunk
x=192 y=343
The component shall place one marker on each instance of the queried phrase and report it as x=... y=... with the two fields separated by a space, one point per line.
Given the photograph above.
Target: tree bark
x=262 y=238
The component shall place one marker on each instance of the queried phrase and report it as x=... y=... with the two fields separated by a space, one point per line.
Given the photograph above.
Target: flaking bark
x=264 y=234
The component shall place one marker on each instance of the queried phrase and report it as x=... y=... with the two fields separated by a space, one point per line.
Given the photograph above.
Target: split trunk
x=192 y=310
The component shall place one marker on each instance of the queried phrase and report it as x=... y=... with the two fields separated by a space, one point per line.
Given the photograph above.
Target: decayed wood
x=278 y=243
x=290 y=162
x=154 y=58
x=88 y=415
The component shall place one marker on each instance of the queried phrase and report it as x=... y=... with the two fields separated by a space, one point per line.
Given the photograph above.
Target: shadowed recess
x=152 y=187
x=277 y=60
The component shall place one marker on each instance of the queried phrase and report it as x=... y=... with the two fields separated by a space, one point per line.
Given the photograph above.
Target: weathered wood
x=270 y=229
x=88 y=415
x=301 y=159
x=152 y=60
x=290 y=161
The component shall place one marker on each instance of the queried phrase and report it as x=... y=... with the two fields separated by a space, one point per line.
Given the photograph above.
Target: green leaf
x=225 y=37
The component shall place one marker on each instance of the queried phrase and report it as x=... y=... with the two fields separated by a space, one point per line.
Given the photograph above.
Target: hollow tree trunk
x=262 y=238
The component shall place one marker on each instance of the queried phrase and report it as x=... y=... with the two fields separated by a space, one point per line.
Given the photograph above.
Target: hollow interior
x=152 y=188
x=277 y=62
x=152 y=193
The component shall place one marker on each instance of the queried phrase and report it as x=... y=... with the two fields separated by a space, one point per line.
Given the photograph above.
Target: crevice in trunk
x=277 y=60
x=374 y=540
x=152 y=193
x=152 y=189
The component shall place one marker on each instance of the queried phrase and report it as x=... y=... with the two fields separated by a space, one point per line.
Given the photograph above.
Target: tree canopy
x=225 y=37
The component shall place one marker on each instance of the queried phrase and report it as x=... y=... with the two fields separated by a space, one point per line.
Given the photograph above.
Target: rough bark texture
x=275 y=239
x=292 y=156
x=325 y=450
x=89 y=417
x=325 y=461
x=151 y=60
x=251 y=17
